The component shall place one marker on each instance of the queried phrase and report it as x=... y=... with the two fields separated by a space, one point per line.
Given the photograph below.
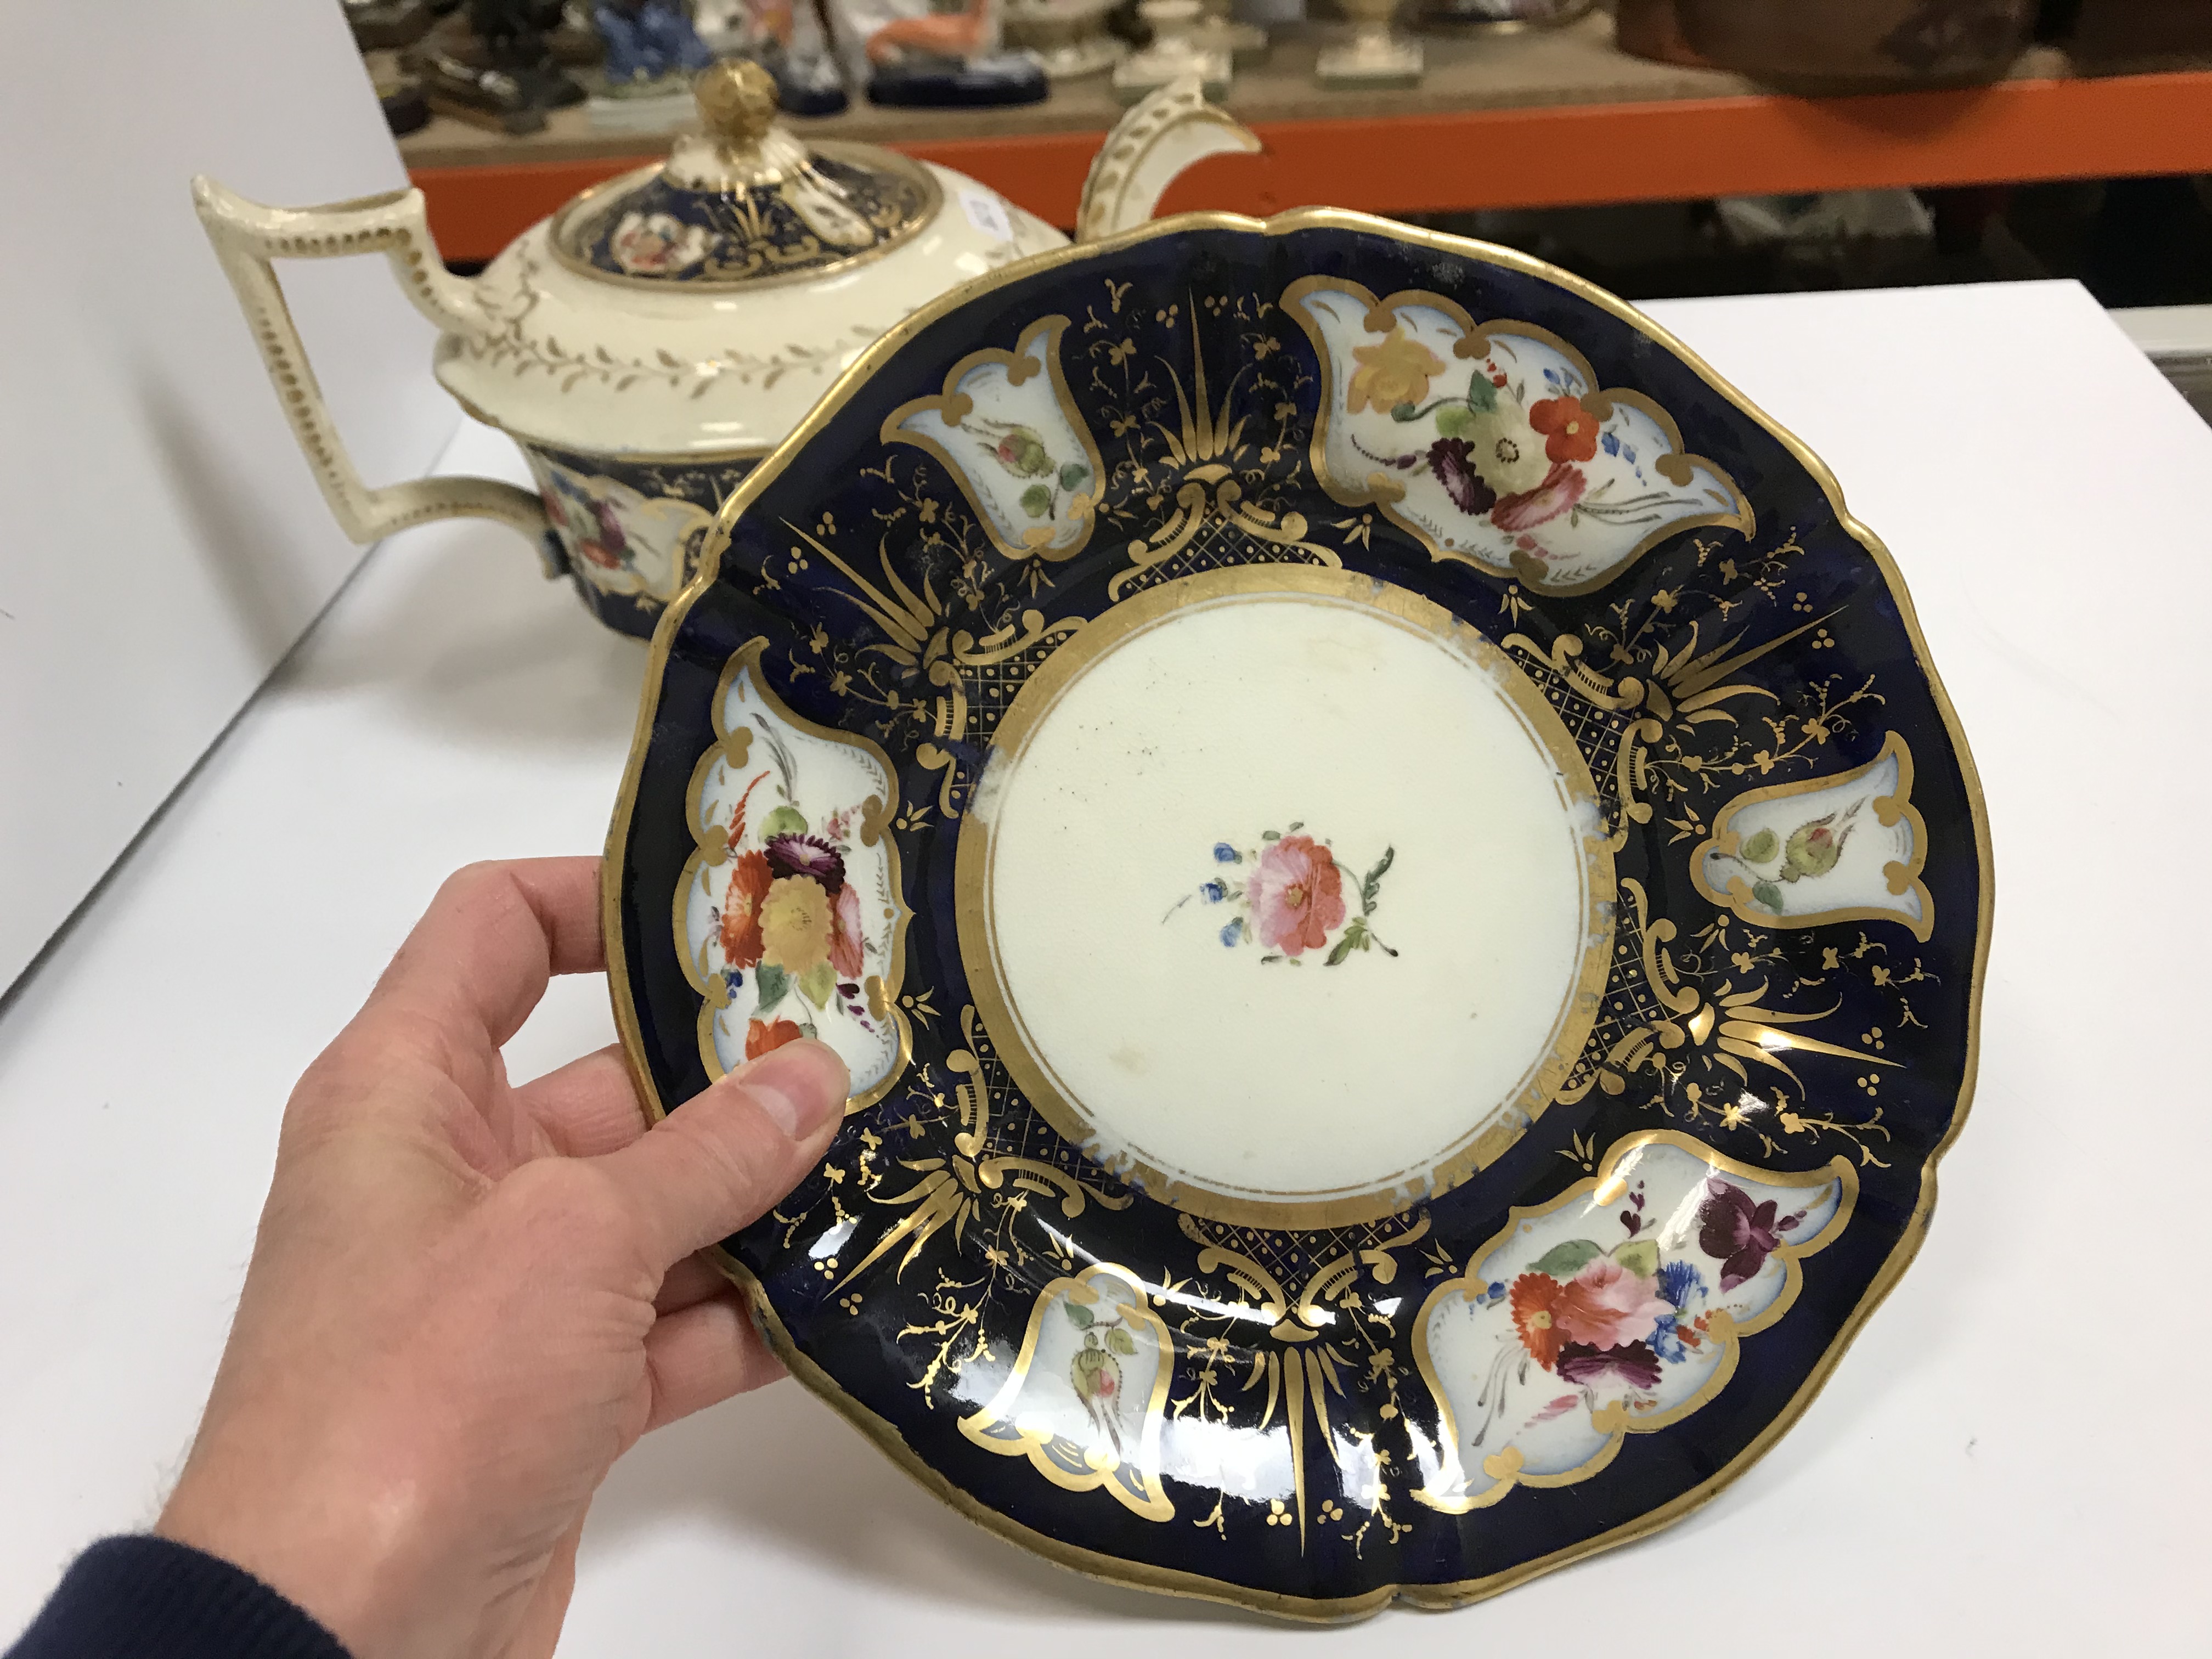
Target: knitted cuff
x=142 y=1597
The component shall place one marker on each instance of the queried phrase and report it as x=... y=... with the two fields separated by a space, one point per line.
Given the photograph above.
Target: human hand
x=467 y=1299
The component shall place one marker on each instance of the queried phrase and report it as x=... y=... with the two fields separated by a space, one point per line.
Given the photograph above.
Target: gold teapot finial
x=737 y=100
x=745 y=145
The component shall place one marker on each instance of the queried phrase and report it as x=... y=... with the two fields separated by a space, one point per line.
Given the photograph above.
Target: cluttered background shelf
x=1537 y=120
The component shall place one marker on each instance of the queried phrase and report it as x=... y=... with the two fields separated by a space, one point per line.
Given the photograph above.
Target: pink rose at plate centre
x=1297 y=896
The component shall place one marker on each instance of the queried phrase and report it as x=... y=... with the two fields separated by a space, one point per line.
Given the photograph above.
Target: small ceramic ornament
x=932 y=53
x=1219 y=29
x=730 y=27
x=787 y=39
x=1376 y=56
x=652 y=47
x=1069 y=37
x=493 y=63
x=1175 y=54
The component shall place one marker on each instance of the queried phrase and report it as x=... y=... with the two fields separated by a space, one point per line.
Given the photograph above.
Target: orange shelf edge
x=2014 y=132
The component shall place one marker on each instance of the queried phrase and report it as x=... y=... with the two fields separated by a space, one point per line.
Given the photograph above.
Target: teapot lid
x=744 y=203
x=696 y=308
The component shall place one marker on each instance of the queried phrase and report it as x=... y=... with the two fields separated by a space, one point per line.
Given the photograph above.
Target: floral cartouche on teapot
x=647 y=345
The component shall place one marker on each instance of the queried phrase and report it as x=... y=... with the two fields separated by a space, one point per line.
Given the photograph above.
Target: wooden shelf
x=1527 y=121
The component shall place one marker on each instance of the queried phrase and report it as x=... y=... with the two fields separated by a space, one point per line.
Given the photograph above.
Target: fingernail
x=800 y=1085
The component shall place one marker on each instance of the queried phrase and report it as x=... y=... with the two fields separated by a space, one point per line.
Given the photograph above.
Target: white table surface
x=2014 y=1458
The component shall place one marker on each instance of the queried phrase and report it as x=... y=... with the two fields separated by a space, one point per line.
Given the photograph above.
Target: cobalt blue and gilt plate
x=1404 y=908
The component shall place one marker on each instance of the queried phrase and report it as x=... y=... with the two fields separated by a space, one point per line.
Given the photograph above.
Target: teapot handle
x=247 y=236
x=1166 y=132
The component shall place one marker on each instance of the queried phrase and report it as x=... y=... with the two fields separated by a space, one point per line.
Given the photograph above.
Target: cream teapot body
x=647 y=345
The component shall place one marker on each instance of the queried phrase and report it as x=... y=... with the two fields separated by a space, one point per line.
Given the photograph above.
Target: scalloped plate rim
x=1115 y=1570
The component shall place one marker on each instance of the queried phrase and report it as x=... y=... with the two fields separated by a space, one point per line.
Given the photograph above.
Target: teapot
x=656 y=337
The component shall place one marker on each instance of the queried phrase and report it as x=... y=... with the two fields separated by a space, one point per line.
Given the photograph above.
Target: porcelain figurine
x=1376 y=55
x=1175 y=54
x=1069 y=38
x=492 y=63
x=570 y=33
x=1221 y=30
x=650 y=46
x=787 y=38
x=1124 y=23
x=932 y=53
x=653 y=339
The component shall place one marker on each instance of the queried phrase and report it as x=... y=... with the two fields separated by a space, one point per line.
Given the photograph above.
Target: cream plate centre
x=1285 y=894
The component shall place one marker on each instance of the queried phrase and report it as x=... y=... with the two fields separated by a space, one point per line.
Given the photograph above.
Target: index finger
x=478 y=961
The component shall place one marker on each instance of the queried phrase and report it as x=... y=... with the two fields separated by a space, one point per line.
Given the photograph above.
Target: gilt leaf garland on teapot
x=518 y=341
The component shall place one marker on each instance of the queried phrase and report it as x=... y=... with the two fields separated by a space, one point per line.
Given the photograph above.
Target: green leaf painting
x=783 y=821
x=818 y=982
x=1640 y=1256
x=1566 y=1261
x=1371 y=886
x=772 y=983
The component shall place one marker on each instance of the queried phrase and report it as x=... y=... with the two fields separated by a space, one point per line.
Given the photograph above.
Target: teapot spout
x=1149 y=149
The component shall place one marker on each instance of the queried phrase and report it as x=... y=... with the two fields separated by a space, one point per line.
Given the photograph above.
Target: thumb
x=719 y=1160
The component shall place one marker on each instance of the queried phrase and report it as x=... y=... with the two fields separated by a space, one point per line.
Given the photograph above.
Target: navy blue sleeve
x=143 y=1597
